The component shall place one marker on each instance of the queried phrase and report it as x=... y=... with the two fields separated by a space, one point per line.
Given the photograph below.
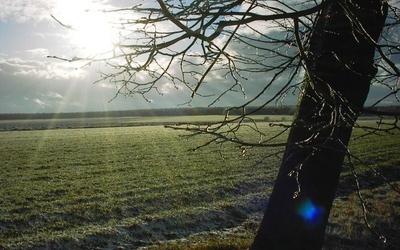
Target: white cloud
x=41 y=69
x=106 y=85
x=167 y=88
x=41 y=103
x=53 y=95
x=24 y=10
x=47 y=100
x=37 y=52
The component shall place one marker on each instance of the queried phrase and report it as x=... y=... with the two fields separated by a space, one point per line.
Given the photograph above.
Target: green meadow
x=135 y=185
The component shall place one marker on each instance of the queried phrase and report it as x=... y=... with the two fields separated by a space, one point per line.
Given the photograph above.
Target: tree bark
x=340 y=69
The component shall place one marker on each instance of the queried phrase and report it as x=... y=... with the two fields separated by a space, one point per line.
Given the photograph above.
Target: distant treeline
x=383 y=110
x=270 y=110
x=284 y=110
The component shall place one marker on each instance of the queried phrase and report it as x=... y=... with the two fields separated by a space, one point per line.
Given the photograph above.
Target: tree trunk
x=339 y=74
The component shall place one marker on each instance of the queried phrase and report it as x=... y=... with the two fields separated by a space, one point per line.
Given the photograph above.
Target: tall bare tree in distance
x=328 y=51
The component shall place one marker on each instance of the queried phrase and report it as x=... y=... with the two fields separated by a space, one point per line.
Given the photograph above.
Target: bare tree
x=328 y=51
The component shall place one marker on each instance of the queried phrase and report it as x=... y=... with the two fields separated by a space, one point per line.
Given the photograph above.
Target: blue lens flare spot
x=310 y=213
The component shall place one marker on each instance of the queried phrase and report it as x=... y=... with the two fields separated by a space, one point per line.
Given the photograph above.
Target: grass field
x=135 y=187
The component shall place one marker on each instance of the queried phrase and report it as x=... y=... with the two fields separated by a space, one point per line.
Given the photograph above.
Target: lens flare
x=310 y=213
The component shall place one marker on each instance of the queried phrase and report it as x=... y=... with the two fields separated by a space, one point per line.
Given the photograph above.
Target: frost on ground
x=182 y=225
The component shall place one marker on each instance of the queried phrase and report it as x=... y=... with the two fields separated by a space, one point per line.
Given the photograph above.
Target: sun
x=93 y=34
x=91 y=31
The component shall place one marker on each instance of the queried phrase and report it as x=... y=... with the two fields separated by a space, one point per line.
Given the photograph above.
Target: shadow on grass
x=147 y=229
x=368 y=179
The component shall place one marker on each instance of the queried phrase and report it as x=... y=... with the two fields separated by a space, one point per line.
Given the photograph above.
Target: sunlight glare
x=92 y=32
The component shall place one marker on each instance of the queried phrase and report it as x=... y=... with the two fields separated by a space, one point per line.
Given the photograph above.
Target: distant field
x=141 y=186
x=35 y=124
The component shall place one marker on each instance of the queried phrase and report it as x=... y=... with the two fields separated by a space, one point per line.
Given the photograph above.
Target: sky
x=31 y=82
